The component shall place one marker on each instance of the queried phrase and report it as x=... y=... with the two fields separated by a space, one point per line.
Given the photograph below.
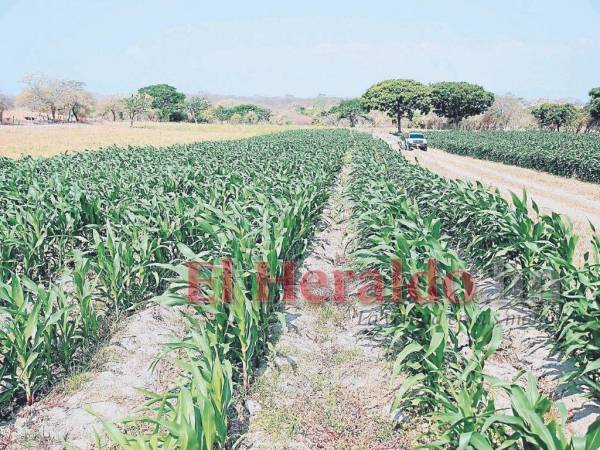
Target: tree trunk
x=131 y=117
x=353 y=120
x=75 y=114
x=53 y=111
x=1 y=116
x=114 y=115
x=399 y=122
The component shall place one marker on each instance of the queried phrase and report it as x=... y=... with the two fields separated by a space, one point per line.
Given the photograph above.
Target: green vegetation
x=441 y=347
x=554 y=115
x=535 y=250
x=197 y=107
x=594 y=106
x=459 y=100
x=397 y=98
x=245 y=113
x=135 y=105
x=565 y=154
x=353 y=110
x=88 y=238
x=110 y=220
x=167 y=101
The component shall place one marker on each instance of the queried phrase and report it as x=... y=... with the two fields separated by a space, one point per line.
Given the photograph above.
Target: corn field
x=440 y=348
x=566 y=154
x=88 y=239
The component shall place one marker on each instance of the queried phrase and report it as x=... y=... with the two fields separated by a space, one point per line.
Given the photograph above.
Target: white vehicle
x=416 y=140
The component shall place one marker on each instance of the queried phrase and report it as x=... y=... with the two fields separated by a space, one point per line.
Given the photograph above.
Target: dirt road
x=580 y=201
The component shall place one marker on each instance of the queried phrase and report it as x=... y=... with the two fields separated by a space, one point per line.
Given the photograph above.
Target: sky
x=533 y=49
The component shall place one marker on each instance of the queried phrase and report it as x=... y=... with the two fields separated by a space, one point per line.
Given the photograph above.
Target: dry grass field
x=48 y=140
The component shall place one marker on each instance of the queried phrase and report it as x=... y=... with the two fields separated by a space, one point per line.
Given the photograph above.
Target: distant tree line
x=438 y=105
x=245 y=113
x=58 y=100
x=458 y=101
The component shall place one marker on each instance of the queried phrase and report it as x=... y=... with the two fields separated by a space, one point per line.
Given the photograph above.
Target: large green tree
x=459 y=100
x=397 y=98
x=554 y=115
x=353 y=110
x=594 y=106
x=166 y=100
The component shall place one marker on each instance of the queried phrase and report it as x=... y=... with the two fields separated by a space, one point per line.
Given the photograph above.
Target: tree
x=41 y=95
x=459 y=100
x=593 y=108
x=397 y=98
x=135 y=105
x=76 y=100
x=111 y=105
x=196 y=106
x=53 y=96
x=244 y=113
x=353 y=110
x=222 y=113
x=166 y=100
x=6 y=102
x=248 y=111
x=506 y=113
x=554 y=114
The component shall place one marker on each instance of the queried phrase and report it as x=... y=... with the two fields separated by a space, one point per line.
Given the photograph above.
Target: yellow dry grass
x=48 y=140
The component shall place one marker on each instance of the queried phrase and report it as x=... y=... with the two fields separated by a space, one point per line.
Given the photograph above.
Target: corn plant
x=534 y=250
x=439 y=347
x=34 y=328
x=566 y=154
x=253 y=210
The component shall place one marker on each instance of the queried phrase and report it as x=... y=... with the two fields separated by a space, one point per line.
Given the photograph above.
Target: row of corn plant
x=248 y=200
x=565 y=154
x=440 y=343
x=227 y=337
x=513 y=241
x=121 y=213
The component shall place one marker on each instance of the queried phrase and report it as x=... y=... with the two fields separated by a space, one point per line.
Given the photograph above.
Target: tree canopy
x=554 y=114
x=595 y=93
x=112 y=106
x=593 y=107
x=136 y=104
x=166 y=100
x=53 y=97
x=397 y=98
x=6 y=102
x=196 y=106
x=353 y=110
x=459 y=100
x=245 y=113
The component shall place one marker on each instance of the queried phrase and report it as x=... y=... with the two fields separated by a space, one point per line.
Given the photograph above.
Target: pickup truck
x=416 y=140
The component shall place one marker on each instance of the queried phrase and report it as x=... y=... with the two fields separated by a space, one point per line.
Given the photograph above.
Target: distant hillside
x=286 y=109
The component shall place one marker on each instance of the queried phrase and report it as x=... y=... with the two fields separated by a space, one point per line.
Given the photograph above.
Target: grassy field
x=49 y=140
